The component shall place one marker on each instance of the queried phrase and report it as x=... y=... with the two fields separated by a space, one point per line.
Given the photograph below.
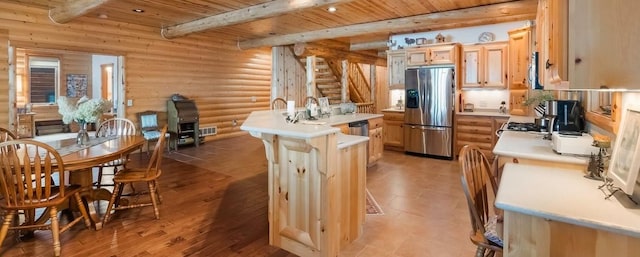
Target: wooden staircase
x=328 y=74
x=327 y=83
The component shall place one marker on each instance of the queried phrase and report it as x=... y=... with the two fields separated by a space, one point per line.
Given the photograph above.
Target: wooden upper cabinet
x=519 y=57
x=603 y=44
x=484 y=65
x=442 y=54
x=396 y=61
x=551 y=43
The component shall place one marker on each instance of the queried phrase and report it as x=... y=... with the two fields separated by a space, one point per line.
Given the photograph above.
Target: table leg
x=84 y=178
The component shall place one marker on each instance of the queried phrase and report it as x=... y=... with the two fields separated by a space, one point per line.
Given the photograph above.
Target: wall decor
x=76 y=85
x=624 y=164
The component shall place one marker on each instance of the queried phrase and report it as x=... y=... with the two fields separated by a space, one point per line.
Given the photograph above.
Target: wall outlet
x=253 y=99
x=129 y=102
x=234 y=123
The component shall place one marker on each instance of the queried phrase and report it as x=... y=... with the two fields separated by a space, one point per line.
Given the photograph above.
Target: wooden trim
x=608 y=123
x=488 y=14
x=308 y=49
x=368 y=46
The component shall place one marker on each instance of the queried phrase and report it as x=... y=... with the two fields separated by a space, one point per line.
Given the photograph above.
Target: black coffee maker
x=567 y=115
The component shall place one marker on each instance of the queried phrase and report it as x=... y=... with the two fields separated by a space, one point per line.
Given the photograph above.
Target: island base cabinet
x=316 y=193
x=526 y=235
x=351 y=179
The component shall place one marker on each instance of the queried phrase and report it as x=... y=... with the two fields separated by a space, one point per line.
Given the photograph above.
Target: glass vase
x=83 y=135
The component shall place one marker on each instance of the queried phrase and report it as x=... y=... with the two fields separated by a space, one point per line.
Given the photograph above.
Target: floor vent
x=208 y=131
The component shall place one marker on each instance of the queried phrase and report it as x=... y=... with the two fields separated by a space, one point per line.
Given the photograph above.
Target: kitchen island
x=316 y=181
x=557 y=212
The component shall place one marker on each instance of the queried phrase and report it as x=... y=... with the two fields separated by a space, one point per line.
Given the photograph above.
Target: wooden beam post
x=307 y=49
x=251 y=13
x=311 y=76
x=487 y=14
x=372 y=83
x=368 y=45
x=70 y=10
x=344 y=81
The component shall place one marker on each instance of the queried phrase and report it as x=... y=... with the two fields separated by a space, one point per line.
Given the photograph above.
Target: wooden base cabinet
x=316 y=193
x=477 y=130
x=26 y=125
x=393 y=130
x=530 y=236
x=376 y=146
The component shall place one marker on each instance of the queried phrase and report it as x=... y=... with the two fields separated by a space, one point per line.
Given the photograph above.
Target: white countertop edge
x=345 y=140
x=574 y=221
x=542 y=157
x=484 y=113
x=293 y=132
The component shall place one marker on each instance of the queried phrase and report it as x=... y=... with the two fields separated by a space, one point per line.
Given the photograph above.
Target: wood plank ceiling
x=261 y=23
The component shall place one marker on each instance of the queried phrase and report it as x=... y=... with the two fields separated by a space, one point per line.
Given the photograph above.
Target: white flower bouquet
x=83 y=111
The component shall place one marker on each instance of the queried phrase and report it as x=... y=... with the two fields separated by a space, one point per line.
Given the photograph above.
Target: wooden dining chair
x=148 y=175
x=25 y=166
x=480 y=188
x=114 y=127
x=6 y=135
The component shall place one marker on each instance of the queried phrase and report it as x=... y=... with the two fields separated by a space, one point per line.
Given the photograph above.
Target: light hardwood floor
x=215 y=204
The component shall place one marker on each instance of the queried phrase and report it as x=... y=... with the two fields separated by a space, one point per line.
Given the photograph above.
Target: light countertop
x=393 y=109
x=273 y=122
x=565 y=195
x=345 y=141
x=531 y=145
x=484 y=113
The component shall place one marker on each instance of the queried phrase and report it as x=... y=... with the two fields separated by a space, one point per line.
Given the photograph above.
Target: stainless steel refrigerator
x=429 y=108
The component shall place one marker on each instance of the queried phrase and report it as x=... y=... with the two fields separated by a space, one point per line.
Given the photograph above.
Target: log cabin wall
x=220 y=78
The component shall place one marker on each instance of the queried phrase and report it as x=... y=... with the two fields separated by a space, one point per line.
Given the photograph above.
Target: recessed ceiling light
x=103 y=16
x=138 y=10
x=331 y=9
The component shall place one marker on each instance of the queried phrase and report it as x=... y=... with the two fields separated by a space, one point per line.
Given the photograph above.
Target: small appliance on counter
x=565 y=115
x=572 y=144
x=468 y=107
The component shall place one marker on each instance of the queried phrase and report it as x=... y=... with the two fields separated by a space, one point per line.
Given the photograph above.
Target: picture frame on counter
x=324 y=105
x=624 y=166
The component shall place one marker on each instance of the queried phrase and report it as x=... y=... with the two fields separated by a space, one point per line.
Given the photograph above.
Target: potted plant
x=538 y=100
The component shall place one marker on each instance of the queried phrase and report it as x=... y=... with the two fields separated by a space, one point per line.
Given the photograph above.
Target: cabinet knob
x=479 y=82
x=578 y=60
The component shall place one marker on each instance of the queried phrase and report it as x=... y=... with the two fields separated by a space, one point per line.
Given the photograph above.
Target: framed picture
x=624 y=165
x=76 y=85
x=324 y=105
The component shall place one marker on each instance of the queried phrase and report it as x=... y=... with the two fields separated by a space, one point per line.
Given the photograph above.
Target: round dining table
x=80 y=159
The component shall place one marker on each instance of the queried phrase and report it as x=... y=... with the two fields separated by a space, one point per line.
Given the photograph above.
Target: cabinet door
x=417 y=57
x=443 y=55
x=551 y=42
x=393 y=133
x=495 y=71
x=516 y=102
x=375 y=145
x=396 y=68
x=471 y=69
x=519 y=58
x=603 y=44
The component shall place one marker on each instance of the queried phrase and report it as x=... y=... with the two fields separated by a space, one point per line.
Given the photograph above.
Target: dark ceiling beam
x=252 y=13
x=475 y=16
x=70 y=10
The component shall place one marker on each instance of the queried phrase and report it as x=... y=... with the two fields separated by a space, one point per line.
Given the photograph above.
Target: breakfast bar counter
x=558 y=212
x=316 y=181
